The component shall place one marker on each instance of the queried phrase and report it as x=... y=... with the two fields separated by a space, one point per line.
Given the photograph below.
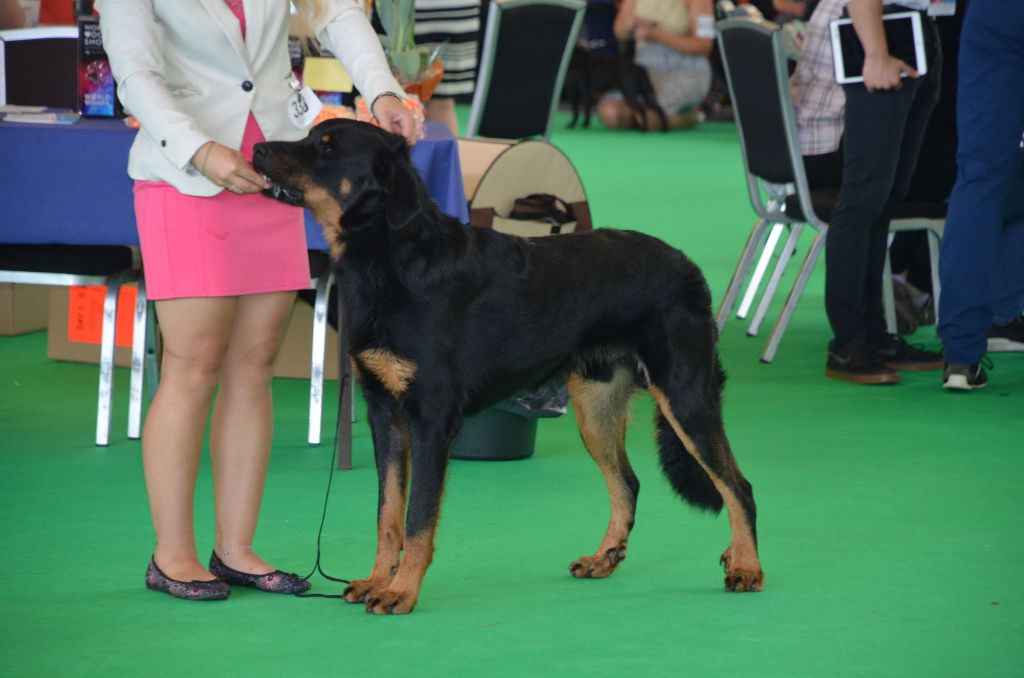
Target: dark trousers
x=881 y=140
x=982 y=262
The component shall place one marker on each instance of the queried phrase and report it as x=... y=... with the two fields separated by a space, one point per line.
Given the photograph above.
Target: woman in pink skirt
x=208 y=79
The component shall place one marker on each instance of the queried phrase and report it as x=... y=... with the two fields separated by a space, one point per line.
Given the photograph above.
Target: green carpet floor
x=890 y=523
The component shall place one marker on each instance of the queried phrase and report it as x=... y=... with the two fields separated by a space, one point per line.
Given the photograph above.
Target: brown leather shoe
x=858 y=363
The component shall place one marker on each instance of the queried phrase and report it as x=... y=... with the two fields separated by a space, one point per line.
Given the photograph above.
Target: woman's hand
x=227 y=168
x=394 y=117
x=644 y=30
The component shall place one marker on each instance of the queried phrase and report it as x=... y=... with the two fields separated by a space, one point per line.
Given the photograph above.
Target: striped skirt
x=454 y=25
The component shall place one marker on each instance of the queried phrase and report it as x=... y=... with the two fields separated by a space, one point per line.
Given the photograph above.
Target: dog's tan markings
x=345 y=188
x=325 y=138
x=328 y=214
x=390 y=535
x=742 y=566
x=601 y=412
x=401 y=594
x=393 y=372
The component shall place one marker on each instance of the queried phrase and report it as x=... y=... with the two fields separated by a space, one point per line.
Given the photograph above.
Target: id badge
x=303 y=107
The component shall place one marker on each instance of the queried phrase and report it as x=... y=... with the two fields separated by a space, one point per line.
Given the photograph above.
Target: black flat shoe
x=271 y=582
x=213 y=589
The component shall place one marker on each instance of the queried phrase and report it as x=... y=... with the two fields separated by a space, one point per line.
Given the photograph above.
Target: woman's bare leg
x=195 y=339
x=242 y=425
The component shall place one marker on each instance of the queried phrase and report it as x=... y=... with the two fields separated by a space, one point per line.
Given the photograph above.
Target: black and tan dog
x=443 y=320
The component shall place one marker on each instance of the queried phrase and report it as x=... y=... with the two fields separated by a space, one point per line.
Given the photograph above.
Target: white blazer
x=185 y=72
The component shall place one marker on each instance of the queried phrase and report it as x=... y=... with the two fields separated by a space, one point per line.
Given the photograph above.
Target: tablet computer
x=903 y=33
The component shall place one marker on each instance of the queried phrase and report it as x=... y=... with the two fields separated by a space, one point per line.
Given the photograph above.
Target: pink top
x=225 y=245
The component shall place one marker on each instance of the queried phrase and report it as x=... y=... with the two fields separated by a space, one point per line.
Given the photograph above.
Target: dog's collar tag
x=303 y=107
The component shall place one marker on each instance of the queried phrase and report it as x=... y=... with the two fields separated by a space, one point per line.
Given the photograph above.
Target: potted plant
x=417 y=69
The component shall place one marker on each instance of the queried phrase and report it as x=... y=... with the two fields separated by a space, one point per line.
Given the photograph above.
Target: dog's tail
x=688 y=477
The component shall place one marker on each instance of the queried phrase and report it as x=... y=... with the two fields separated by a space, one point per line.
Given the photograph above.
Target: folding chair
x=111 y=266
x=526 y=51
x=754 y=60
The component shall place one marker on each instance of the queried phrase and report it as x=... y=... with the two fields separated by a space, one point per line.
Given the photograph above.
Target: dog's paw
x=740 y=578
x=598 y=567
x=390 y=601
x=360 y=589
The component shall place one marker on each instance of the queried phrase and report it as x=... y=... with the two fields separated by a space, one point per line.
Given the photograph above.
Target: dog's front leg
x=391 y=450
x=431 y=433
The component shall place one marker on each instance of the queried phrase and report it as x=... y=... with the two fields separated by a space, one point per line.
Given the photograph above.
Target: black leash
x=323 y=515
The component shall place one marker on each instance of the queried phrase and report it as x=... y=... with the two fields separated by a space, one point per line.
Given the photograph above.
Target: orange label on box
x=85 y=315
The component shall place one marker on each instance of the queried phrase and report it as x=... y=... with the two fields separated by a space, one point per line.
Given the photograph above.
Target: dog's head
x=351 y=175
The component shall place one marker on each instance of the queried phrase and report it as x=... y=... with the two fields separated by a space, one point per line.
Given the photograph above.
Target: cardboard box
x=76 y=316
x=23 y=308
x=76 y=320
x=296 y=354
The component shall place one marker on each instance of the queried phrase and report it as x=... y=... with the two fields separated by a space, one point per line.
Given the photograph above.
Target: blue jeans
x=982 y=262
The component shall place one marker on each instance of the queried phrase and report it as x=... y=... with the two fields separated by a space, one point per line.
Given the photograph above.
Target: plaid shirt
x=819 y=101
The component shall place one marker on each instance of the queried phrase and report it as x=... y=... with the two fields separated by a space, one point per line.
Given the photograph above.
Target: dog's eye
x=325 y=143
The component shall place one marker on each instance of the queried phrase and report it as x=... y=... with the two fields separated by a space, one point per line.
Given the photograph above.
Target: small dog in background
x=593 y=73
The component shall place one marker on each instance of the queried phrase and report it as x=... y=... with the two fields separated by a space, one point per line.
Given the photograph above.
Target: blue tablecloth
x=68 y=184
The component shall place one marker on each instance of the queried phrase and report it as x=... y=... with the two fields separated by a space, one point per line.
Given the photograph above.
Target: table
x=68 y=185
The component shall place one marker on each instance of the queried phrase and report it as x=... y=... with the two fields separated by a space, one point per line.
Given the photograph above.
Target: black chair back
x=755 y=69
x=526 y=52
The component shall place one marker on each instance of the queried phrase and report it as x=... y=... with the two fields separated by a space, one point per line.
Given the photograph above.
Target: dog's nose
x=260 y=152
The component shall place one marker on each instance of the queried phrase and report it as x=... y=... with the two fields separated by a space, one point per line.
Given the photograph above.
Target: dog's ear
x=403 y=199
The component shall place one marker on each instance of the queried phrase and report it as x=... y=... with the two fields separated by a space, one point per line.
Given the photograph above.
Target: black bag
x=543 y=207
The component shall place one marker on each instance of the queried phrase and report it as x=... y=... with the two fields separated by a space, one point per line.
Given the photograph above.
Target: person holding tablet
x=883 y=123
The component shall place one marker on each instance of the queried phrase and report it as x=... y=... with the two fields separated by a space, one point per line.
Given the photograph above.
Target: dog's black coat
x=444 y=320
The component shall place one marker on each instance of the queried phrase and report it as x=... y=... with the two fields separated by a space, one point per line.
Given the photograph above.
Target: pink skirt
x=221 y=246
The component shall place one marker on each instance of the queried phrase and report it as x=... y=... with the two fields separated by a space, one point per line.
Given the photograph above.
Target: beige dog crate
x=496 y=173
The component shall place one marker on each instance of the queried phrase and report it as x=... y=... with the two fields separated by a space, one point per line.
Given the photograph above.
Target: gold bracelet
x=209 y=147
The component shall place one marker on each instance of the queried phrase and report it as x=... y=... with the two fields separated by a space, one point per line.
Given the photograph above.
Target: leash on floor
x=323 y=515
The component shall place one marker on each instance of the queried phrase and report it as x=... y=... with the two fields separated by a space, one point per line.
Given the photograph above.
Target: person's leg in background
x=874 y=126
x=990 y=122
x=925 y=99
x=1007 y=331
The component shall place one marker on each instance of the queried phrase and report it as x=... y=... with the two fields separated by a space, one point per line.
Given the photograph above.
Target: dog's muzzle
x=287 y=195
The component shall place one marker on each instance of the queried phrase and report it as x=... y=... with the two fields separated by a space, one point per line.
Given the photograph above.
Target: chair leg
x=152 y=370
x=775 y=338
x=316 y=370
x=139 y=331
x=773 y=282
x=754 y=241
x=106 y=390
x=888 y=300
x=759 y=270
x=934 y=243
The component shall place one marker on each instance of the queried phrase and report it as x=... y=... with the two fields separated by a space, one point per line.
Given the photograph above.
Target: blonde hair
x=307 y=17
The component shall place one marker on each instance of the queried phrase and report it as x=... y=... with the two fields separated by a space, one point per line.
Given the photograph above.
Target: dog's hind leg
x=601 y=411
x=686 y=381
x=391 y=449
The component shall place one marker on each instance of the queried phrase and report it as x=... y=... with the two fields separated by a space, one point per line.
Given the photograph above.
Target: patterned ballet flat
x=214 y=589
x=271 y=582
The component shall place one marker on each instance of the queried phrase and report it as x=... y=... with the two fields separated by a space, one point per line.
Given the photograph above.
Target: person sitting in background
x=863 y=140
x=674 y=53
